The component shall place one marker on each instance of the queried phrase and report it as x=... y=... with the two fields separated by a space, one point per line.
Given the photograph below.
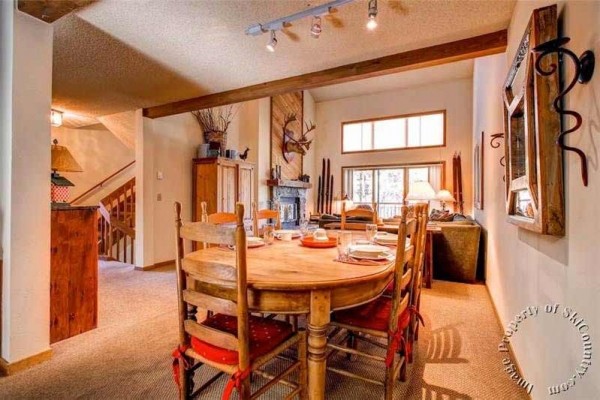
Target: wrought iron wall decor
x=478 y=172
x=533 y=161
x=494 y=144
x=584 y=69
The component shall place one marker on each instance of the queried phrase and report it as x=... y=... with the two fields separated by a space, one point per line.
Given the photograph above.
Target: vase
x=217 y=136
x=203 y=150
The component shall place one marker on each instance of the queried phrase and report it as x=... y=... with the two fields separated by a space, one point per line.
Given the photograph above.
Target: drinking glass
x=371 y=230
x=269 y=233
x=344 y=242
x=304 y=227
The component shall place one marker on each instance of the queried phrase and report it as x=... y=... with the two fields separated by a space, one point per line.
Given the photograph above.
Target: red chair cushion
x=374 y=315
x=265 y=335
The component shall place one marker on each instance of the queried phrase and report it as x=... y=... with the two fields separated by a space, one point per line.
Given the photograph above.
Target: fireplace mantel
x=289 y=183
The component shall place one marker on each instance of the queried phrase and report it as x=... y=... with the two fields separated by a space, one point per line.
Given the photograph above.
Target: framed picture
x=478 y=172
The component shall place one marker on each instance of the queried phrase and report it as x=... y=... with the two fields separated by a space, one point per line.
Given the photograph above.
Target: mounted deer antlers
x=293 y=145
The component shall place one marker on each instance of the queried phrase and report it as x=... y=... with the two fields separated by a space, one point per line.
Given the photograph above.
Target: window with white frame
x=394 y=133
x=388 y=185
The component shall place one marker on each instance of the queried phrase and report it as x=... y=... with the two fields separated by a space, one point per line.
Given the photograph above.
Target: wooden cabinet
x=73 y=271
x=221 y=183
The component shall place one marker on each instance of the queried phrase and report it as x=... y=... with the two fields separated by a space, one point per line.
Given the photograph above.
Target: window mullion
x=375 y=193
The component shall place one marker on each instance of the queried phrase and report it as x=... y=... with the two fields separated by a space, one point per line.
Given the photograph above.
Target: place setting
x=362 y=251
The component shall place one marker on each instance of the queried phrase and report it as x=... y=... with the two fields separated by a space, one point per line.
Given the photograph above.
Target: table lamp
x=346 y=203
x=62 y=161
x=420 y=191
x=444 y=196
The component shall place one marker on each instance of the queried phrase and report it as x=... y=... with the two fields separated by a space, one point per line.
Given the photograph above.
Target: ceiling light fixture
x=316 y=28
x=372 y=23
x=272 y=43
x=281 y=23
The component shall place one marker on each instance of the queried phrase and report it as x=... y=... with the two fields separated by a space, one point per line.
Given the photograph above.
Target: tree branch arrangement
x=214 y=123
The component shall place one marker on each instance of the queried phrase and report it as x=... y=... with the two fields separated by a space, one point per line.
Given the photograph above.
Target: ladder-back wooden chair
x=266 y=214
x=384 y=317
x=422 y=211
x=232 y=340
x=218 y=218
x=358 y=212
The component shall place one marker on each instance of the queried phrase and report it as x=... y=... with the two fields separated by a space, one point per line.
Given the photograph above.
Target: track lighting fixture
x=316 y=29
x=372 y=23
x=272 y=42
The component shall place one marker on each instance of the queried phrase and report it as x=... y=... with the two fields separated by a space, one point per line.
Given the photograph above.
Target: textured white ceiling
x=423 y=76
x=119 y=55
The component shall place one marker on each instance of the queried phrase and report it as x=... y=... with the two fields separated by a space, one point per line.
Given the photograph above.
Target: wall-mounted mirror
x=534 y=165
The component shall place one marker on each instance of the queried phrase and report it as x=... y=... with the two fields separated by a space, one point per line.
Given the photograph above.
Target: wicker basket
x=217 y=136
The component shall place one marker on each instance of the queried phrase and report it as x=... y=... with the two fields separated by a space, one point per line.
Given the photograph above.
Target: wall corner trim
x=154 y=266
x=7 y=368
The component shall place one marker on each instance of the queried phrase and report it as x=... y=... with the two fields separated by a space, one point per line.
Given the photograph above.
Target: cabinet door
x=228 y=185
x=205 y=189
x=246 y=187
x=83 y=272
x=60 y=250
x=73 y=273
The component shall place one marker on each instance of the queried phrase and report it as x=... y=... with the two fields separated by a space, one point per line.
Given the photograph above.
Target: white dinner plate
x=369 y=252
x=295 y=233
x=375 y=257
x=386 y=238
x=254 y=241
x=368 y=249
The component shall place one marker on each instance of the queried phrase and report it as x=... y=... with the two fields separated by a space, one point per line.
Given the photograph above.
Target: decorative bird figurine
x=244 y=155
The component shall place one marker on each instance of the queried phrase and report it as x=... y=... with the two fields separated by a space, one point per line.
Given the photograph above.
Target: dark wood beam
x=51 y=10
x=491 y=43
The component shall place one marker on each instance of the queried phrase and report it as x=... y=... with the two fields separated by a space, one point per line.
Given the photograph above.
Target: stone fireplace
x=290 y=198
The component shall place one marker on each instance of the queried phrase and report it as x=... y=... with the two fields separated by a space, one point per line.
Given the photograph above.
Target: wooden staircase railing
x=116 y=224
x=101 y=183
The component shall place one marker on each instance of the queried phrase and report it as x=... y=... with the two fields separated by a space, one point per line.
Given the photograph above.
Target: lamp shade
x=444 y=195
x=62 y=160
x=346 y=202
x=420 y=190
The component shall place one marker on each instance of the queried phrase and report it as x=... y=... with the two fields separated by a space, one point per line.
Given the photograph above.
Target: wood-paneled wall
x=282 y=105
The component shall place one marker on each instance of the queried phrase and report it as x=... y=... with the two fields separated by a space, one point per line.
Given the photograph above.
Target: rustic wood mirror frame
x=534 y=162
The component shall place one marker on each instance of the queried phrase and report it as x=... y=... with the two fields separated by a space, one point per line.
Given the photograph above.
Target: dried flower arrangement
x=214 y=123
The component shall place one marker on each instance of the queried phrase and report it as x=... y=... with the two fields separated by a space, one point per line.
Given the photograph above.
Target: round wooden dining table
x=287 y=278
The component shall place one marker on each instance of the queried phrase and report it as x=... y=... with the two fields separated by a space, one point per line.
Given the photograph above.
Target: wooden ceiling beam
x=479 y=46
x=51 y=10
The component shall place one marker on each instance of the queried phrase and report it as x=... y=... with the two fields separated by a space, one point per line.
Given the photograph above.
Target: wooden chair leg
x=417 y=328
x=245 y=392
x=389 y=383
x=402 y=374
x=351 y=343
x=184 y=384
x=303 y=358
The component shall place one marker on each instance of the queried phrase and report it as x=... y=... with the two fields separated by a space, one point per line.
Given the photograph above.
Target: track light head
x=272 y=42
x=316 y=29
x=372 y=23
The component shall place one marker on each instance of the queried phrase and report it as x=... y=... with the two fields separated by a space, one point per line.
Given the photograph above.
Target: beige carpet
x=128 y=356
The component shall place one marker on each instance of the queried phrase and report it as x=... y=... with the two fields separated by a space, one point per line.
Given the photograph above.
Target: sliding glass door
x=388 y=185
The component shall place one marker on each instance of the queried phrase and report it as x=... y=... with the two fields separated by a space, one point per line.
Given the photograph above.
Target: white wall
x=25 y=205
x=523 y=268
x=455 y=97
x=165 y=145
x=100 y=154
